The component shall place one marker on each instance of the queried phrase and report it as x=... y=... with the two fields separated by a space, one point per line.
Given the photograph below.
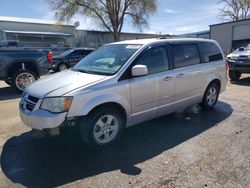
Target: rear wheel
x=210 y=97
x=234 y=76
x=102 y=128
x=23 y=78
x=62 y=67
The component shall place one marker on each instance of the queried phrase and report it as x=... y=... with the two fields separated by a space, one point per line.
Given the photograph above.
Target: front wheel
x=102 y=128
x=23 y=78
x=62 y=67
x=210 y=97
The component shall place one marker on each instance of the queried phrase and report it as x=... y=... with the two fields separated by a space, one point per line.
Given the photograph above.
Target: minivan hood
x=61 y=83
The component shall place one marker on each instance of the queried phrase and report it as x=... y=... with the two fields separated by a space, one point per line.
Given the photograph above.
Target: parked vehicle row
x=20 y=66
x=123 y=84
x=69 y=58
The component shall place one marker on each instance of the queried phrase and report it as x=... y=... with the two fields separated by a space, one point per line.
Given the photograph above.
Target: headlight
x=56 y=104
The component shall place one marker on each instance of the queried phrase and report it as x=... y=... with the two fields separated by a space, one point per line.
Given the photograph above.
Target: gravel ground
x=205 y=149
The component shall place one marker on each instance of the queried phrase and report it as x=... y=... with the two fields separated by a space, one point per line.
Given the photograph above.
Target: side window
x=155 y=59
x=210 y=52
x=78 y=52
x=185 y=55
x=88 y=52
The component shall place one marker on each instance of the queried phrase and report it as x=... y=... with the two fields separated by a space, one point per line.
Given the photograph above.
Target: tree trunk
x=116 y=36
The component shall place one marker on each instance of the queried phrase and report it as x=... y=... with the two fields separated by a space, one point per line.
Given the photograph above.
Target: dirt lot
x=208 y=149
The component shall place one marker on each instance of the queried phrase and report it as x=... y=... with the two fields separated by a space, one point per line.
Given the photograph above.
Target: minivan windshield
x=107 y=60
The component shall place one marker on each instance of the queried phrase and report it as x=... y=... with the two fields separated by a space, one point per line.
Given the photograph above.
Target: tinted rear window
x=210 y=52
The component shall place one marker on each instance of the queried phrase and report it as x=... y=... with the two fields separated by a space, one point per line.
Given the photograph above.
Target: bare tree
x=245 y=9
x=110 y=14
x=234 y=10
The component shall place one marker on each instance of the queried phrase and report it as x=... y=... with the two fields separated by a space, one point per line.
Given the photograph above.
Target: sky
x=172 y=16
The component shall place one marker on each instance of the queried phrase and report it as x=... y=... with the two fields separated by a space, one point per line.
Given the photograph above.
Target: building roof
x=230 y=22
x=31 y=20
x=37 y=33
x=99 y=31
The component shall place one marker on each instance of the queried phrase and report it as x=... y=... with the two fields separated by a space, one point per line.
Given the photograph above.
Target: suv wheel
x=102 y=128
x=234 y=76
x=210 y=97
x=23 y=78
x=62 y=67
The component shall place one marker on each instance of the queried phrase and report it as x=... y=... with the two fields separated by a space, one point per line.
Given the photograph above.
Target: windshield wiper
x=83 y=71
x=93 y=72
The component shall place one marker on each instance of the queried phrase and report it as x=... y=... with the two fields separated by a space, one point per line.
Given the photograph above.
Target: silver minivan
x=126 y=83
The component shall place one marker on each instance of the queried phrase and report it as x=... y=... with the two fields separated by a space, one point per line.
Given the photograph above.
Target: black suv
x=239 y=62
x=69 y=58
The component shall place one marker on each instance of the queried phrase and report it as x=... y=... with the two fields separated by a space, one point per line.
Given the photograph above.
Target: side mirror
x=139 y=70
x=241 y=49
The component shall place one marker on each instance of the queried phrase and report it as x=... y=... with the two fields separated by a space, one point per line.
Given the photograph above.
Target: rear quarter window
x=210 y=52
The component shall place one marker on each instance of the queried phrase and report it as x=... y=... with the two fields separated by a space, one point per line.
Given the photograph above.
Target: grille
x=33 y=99
x=242 y=57
x=30 y=102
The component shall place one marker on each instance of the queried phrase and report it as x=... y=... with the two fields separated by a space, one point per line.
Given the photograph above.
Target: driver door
x=145 y=89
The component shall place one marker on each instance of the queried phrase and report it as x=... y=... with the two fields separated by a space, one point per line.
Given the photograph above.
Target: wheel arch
x=114 y=105
x=213 y=79
x=204 y=102
x=217 y=82
x=81 y=108
x=22 y=65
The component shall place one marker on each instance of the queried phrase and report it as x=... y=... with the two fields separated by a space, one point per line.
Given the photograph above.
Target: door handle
x=180 y=75
x=168 y=78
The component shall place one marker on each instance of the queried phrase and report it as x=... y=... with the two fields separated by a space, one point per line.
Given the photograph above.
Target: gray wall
x=95 y=39
x=223 y=33
x=9 y=25
x=38 y=39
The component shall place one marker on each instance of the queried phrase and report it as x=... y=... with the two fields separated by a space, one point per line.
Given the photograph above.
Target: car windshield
x=67 y=52
x=107 y=60
x=247 y=48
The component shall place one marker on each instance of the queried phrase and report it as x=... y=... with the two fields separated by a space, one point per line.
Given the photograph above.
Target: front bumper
x=53 y=67
x=41 y=119
x=242 y=66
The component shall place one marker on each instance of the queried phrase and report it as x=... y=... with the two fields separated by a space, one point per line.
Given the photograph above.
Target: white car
x=126 y=83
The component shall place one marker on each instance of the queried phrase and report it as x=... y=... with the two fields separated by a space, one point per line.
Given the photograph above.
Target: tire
x=98 y=132
x=210 y=97
x=234 y=76
x=62 y=67
x=25 y=76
